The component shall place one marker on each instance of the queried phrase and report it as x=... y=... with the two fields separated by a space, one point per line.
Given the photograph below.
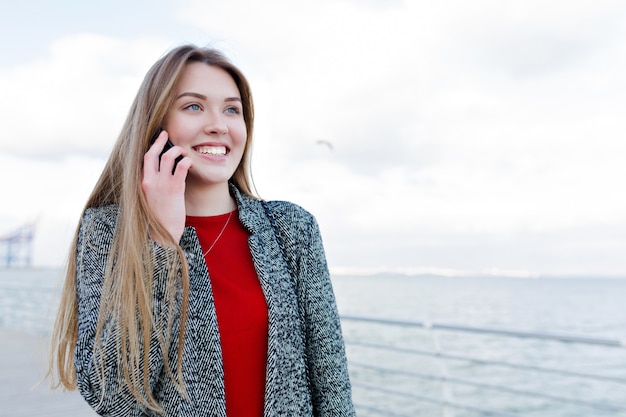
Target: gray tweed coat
x=306 y=364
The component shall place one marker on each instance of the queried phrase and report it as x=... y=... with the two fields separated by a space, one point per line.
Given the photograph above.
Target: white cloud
x=75 y=99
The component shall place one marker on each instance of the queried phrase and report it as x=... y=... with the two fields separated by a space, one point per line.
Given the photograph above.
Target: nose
x=215 y=125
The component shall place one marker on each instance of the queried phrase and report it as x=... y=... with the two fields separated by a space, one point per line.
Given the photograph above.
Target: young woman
x=185 y=294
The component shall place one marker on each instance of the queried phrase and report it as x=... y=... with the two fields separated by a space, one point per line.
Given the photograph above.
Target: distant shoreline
x=415 y=272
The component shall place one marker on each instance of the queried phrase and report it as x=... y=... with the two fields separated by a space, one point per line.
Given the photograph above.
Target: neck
x=208 y=200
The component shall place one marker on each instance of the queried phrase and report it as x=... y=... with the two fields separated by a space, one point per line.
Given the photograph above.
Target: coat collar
x=251 y=212
x=251 y=215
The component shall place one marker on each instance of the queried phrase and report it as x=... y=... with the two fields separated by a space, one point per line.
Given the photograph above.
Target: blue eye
x=233 y=110
x=194 y=107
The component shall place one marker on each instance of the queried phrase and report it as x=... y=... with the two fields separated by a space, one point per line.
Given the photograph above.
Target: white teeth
x=212 y=150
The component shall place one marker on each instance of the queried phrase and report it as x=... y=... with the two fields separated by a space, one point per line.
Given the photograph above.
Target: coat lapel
x=285 y=341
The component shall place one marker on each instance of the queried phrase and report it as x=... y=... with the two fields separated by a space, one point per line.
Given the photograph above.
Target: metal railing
x=388 y=380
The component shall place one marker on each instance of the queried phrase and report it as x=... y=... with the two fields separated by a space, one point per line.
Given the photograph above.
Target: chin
x=208 y=179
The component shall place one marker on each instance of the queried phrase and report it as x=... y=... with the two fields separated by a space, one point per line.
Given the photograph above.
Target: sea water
x=590 y=306
x=28 y=298
x=436 y=385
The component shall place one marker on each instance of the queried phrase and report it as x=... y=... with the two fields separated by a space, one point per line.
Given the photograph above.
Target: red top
x=241 y=311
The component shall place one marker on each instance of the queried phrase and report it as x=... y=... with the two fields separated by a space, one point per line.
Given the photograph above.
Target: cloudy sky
x=485 y=136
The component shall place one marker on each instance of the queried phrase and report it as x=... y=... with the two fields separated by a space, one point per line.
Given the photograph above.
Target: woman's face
x=207 y=120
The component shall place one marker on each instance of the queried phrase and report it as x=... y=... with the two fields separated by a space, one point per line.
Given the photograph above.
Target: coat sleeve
x=325 y=350
x=108 y=397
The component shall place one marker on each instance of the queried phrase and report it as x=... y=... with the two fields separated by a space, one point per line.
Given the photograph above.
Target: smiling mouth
x=212 y=150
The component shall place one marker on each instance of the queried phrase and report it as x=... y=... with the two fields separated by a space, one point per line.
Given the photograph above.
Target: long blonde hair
x=127 y=289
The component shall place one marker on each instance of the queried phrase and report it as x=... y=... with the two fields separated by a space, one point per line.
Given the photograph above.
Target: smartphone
x=168 y=145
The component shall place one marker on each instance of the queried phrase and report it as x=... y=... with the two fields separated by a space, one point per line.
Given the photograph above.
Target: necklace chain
x=219 y=235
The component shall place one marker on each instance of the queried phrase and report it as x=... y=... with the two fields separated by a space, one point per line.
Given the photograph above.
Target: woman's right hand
x=164 y=191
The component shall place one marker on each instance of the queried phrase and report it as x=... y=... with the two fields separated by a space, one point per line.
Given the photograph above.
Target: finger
x=157 y=145
x=170 y=157
x=182 y=168
x=151 y=157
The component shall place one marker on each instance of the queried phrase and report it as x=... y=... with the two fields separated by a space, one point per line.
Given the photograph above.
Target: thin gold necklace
x=220 y=235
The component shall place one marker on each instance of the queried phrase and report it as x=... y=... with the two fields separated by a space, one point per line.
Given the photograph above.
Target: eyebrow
x=203 y=97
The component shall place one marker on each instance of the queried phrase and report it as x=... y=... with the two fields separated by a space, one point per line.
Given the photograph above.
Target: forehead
x=208 y=80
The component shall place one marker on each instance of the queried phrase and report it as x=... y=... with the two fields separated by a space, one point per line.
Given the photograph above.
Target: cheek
x=170 y=125
x=240 y=133
x=180 y=131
